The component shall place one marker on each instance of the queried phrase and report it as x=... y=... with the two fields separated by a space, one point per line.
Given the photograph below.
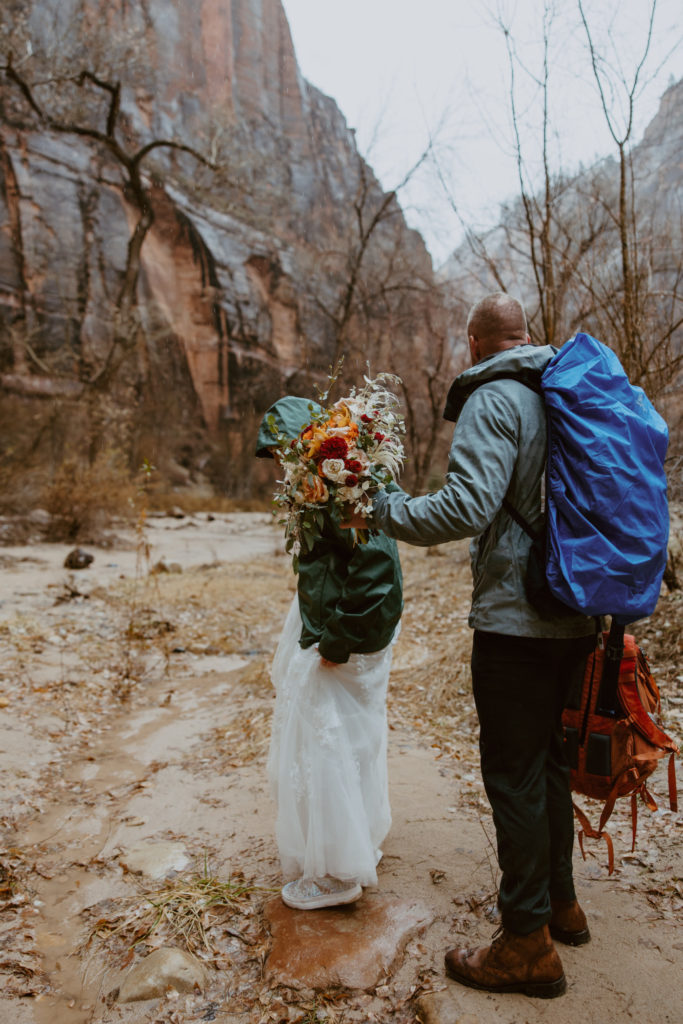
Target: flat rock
x=444 y=1008
x=352 y=947
x=156 y=860
x=164 y=969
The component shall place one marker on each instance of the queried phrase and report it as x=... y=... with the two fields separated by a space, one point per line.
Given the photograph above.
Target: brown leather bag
x=613 y=740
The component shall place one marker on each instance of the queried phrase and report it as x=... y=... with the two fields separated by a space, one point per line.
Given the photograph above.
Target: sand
x=134 y=711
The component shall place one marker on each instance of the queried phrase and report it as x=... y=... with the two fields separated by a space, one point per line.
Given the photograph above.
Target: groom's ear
x=475 y=351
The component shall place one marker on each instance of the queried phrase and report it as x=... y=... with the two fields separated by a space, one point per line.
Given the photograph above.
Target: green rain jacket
x=350 y=595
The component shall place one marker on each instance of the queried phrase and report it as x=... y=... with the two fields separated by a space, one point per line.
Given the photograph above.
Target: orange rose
x=314 y=490
x=340 y=422
x=341 y=416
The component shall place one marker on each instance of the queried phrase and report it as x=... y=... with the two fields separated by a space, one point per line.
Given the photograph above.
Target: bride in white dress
x=328 y=756
x=328 y=764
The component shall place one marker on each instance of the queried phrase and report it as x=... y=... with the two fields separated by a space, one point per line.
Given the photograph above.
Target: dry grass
x=193 y=911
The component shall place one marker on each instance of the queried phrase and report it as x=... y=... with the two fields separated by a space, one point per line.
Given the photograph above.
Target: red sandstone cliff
x=235 y=298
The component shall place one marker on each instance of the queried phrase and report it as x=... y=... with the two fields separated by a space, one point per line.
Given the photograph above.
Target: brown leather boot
x=568 y=923
x=512 y=963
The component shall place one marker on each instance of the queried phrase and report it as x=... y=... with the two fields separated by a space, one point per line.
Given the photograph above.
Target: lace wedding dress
x=328 y=760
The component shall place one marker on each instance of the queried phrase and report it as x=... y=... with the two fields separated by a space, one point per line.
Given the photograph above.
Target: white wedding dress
x=328 y=760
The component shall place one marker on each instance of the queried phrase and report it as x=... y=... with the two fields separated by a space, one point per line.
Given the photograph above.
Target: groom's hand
x=355 y=521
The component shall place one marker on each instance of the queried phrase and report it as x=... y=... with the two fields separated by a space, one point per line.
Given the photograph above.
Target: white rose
x=335 y=470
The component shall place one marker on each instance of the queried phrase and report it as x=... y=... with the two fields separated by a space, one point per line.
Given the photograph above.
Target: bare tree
x=588 y=250
x=645 y=312
x=135 y=189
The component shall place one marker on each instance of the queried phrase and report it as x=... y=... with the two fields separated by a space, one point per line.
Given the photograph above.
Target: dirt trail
x=140 y=714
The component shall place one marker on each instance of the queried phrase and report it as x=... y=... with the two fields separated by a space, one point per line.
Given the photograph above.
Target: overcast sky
x=402 y=70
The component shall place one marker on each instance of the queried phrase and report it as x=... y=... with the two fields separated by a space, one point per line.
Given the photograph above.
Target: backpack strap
x=612 y=798
x=458 y=395
x=588 y=830
x=607 y=702
x=521 y=521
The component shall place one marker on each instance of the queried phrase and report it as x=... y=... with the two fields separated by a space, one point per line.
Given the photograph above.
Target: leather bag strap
x=588 y=830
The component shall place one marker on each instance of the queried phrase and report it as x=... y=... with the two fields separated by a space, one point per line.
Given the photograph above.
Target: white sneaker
x=314 y=893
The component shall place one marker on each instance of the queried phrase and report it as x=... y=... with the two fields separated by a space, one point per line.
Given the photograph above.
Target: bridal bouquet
x=339 y=461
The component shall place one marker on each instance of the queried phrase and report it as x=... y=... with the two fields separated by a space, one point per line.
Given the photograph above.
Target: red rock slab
x=351 y=947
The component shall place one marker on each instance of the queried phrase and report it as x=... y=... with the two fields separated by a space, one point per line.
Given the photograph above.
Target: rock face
x=232 y=304
x=352 y=947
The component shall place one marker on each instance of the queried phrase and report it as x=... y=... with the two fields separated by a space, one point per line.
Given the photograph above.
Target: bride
x=327 y=762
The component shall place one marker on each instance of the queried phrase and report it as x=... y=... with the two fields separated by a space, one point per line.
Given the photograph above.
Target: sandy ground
x=134 y=708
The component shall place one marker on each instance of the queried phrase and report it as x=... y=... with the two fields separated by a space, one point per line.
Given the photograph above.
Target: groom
x=524 y=662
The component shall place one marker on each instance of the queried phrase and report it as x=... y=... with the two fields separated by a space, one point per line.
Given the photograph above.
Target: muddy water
x=129 y=789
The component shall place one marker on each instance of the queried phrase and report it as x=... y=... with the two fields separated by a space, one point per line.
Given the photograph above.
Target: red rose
x=366 y=419
x=354 y=465
x=332 y=448
x=379 y=437
x=351 y=480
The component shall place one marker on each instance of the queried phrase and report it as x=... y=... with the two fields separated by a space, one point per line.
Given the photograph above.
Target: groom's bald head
x=495 y=323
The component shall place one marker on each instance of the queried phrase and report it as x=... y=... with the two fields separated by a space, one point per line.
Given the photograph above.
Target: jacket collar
x=524 y=363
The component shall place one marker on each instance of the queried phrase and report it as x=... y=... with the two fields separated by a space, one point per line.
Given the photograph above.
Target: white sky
x=399 y=69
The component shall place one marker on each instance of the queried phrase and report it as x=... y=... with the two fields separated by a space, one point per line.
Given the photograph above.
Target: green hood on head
x=291 y=415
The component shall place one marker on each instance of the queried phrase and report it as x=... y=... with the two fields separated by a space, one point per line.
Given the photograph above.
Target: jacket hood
x=289 y=415
x=524 y=363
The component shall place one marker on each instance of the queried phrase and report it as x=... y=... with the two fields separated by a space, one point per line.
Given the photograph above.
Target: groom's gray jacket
x=498 y=451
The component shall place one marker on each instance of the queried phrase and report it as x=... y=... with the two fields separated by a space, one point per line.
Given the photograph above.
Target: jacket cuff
x=335 y=651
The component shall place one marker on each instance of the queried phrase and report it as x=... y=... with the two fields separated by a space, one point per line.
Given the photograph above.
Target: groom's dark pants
x=521 y=685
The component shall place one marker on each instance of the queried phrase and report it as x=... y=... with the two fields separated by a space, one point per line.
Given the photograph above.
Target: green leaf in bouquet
x=295 y=564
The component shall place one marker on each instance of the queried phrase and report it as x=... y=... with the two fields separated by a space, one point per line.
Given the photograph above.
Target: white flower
x=350 y=493
x=338 y=431
x=294 y=472
x=334 y=470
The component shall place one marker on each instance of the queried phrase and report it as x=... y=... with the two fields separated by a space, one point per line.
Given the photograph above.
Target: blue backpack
x=607 y=521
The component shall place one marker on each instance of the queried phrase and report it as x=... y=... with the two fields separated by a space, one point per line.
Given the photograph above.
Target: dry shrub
x=83 y=498
x=195 y=500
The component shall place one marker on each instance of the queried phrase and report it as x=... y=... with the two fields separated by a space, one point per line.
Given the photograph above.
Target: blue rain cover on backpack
x=606 y=505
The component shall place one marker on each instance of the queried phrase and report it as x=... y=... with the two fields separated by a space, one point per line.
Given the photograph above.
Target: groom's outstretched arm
x=481 y=462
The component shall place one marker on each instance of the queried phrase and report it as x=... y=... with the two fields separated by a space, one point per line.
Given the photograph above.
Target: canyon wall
x=236 y=298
